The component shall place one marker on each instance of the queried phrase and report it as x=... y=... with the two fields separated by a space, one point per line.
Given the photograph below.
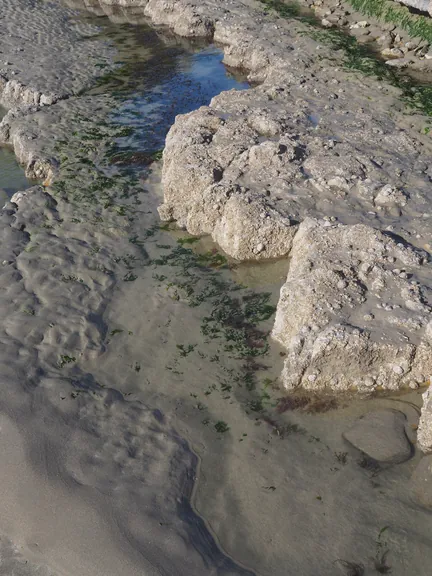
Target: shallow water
x=12 y=176
x=178 y=85
x=159 y=77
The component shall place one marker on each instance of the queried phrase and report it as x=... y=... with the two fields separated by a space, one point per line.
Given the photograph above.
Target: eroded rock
x=424 y=433
x=203 y=158
x=421 y=482
x=347 y=316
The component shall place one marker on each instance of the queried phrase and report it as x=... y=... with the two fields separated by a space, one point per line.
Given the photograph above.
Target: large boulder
x=203 y=157
x=421 y=482
x=353 y=312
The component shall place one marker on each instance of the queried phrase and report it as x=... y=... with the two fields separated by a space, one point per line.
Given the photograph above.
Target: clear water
x=160 y=76
x=150 y=108
x=12 y=175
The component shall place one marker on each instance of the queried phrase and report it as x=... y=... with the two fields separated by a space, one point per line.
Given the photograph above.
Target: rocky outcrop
x=353 y=312
x=271 y=171
x=203 y=156
x=27 y=151
x=267 y=153
x=424 y=433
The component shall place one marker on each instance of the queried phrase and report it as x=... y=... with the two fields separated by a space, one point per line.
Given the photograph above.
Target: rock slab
x=421 y=482
x=348 y=316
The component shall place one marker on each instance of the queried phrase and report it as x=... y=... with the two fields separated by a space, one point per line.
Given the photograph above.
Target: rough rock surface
x=353 y=311
x=421 y=482
x=424 y=433
x=270 y=147
x=202 y=150
x=196 y=19
x=294 y=146
x=47 y=57
x=381 y=436
x=253 y=165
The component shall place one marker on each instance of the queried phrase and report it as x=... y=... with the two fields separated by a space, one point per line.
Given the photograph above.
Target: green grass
x=390 y=12
x=386 y=11
x=359 y=57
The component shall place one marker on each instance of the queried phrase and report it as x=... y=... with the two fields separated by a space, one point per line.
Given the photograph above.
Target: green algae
x=360 y=57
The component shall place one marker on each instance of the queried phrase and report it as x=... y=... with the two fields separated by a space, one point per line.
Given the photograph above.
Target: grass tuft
x=389 y=12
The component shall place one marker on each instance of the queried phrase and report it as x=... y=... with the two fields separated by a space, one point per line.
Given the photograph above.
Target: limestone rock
x=381 y=436
x=185 y=19
x=389 y=195
x=346 y=318
x=424 y=432
x=421 y=482
x=200 y=154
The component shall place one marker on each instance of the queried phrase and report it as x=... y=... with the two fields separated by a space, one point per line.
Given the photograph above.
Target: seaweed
x=221 y=427
x=351 y=568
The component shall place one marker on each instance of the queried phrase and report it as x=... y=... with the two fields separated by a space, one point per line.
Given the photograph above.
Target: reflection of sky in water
x=154 y=93
x=171 y=90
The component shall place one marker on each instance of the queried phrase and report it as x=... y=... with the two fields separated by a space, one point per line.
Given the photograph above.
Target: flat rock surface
x=46 y=52
x=421 y=482
x=424 y=433
x=381 y=436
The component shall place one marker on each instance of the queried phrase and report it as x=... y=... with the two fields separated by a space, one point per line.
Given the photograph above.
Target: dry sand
x=132 y=439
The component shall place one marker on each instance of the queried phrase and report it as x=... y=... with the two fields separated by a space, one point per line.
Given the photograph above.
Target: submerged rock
x=421 y=482
x=381 y=436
